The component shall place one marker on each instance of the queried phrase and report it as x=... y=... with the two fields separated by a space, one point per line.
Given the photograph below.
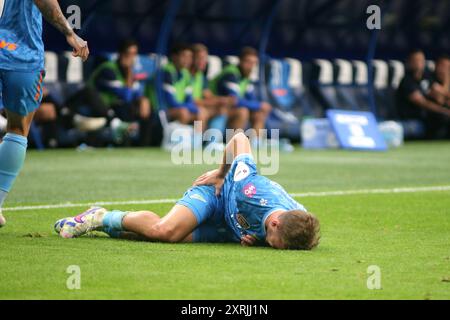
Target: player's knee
x=181 y=115
x=19 y=124
x=242 y=114
x=266 y=107
x=144 y=108
x=185 y=116
x=165 y=233
x=263 y=112
x=17 y=129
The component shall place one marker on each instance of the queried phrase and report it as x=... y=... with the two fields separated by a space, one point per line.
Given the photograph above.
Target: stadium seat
x=295 y=74
x=74 y=68
x=381 y=73
x=344 y=85
x=397 y=72
x=163 y=59
x=384 y=96
x=299 y=81
x=231 y=60
x=289 y=96
x=322 y=86
x=280 y=92
x=214 y=66
x=360 y=81
x=145 y=67
x=51 y=67
x=282 y=98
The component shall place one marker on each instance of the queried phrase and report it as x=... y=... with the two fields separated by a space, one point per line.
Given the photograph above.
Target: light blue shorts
x=209 y=212
x=21 y=92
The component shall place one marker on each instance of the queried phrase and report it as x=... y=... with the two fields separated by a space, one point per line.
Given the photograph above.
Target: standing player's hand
x=248 y=240
x=211 y=178
x=80 y=47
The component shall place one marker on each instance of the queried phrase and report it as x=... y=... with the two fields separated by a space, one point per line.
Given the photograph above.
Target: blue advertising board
x=356 y=130
x=318 y=134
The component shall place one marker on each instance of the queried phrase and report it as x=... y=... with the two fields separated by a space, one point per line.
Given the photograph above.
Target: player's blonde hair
x=299 y=230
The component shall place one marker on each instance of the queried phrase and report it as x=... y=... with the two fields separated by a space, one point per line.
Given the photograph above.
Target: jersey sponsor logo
x=242 y=222
x=198 y=197
x=242 y=171
x=7 y=45
x=249 y=190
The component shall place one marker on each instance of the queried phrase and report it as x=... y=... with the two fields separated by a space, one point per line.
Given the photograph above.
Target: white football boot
x=83 y=223
x=60 y=223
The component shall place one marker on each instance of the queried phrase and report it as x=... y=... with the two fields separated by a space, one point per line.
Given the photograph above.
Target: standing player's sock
x=3 y=195
x=12 y=156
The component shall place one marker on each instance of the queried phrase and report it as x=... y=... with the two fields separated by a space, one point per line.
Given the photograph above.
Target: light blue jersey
x=250 y=198
x=21 y=46
x=245 y=202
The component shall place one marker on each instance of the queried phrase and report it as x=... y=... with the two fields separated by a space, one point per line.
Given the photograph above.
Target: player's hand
x=248 y=240
x=80 y=47
x=211 y=178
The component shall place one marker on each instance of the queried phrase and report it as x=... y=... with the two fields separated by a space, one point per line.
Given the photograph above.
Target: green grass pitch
x=407 y=235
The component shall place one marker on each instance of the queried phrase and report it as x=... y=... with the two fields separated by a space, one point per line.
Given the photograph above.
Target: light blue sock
x=12 y=156
x=112 y=233
x=3 y=195
x=112 y=221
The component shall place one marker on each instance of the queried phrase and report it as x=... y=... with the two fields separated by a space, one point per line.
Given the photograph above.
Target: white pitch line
x=372 y=191
x=299 y=195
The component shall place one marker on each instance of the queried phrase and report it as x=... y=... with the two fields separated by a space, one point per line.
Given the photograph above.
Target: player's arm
x=51 y=11
x=419 y=100
x=248 y=240
x=238 y=145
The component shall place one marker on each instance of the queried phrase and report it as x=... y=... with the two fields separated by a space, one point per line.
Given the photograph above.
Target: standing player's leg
x=12 y=153
x=238 y=118
x=259 y=117
x=21 y=94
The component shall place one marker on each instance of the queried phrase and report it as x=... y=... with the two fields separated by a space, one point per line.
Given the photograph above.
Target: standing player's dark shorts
x=21 y=91
x=209 y=211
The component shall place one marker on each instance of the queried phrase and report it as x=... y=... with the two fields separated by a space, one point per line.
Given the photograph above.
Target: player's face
x=443 y=69
x=417 y=62
x=128 y=58
x=273 y=238
x=184 y=59
x=247 y=64
x=201 y=60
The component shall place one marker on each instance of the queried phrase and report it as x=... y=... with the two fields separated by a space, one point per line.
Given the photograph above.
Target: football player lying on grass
x=230 y=204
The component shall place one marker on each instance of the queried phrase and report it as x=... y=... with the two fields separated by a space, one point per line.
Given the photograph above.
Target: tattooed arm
x=51 y=11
